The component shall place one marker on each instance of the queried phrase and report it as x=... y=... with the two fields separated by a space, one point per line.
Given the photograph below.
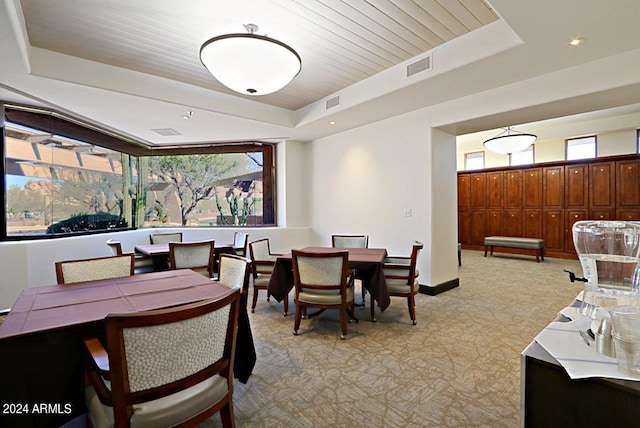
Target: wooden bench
x=534 y=244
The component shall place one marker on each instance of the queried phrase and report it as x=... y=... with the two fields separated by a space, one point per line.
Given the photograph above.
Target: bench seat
x=534 y=244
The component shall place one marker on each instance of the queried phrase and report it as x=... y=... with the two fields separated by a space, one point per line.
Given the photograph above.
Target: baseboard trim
x=433 y=290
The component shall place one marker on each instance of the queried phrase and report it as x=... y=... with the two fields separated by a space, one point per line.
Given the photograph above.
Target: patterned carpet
x=458 y=367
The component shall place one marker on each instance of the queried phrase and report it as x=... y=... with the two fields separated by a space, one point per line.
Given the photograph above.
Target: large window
x=524 y=157
x=58 y=180
x=474 y=160
x=581 y=148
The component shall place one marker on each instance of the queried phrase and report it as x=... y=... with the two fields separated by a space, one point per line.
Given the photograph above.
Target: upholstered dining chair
x=80 y=270
x=322 y=281
x=352 y=241
x=141 y=263
x=240 y=242
x=197 y=256
x=401 y=276
x=262 y=262
x=165 y=238
x=233 y=271
x=164 y=367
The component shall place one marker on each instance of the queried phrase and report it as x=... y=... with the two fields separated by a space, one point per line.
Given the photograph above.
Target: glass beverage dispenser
x=608 y=252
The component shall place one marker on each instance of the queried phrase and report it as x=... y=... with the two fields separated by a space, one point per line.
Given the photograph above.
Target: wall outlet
x=407 y=212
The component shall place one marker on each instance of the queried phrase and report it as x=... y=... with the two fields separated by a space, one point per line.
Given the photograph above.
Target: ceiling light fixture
x=576 y=41
x=249 y=63
x=511 y=142
x=189 y=115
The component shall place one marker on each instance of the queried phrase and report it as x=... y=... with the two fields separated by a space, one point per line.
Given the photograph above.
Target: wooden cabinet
x=602 y=185
x=513 y=189
x=545 y=201
x=513 y=222
x=464 y=226
x=478 y=226
x=553 y=187
x=464 y=191
x=553 y=227
x=628 y=184
x=571 y=217
x=478 y=191
x=494 y=222
x=532 y=220
x=532 y=188
x=495 y=188
x=576 y=186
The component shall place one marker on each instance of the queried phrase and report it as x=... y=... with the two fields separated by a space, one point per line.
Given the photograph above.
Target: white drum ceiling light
x=249 y=63
x=510 y=141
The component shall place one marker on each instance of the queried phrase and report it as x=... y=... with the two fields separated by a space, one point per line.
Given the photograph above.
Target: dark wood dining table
x=41 y=339
x=366 y=261
x=160 y=252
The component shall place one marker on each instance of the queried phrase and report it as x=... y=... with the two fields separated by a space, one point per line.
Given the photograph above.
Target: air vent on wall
x=333 y=102
x=419 y=66
x=166 y=132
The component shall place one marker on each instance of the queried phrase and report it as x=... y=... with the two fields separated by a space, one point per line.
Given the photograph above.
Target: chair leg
x=255 y=299
x=286 y=305
x=343 y=323
x=411 y=302
x=226 y=415
x=296 y=324
x=373 y=308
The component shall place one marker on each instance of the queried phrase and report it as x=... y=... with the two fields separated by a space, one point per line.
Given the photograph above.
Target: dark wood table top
x=356 y=255
x=39 y=309
x=163 y=249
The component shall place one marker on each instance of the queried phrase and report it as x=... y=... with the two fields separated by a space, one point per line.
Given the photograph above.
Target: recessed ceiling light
x=332 y=122
x=576 y=41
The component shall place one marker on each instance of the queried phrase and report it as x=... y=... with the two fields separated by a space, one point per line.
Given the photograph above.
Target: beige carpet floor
x=458 y=367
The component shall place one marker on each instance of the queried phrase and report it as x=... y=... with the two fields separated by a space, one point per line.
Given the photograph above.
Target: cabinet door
x=494 y=222
x=553 y=187
x=478 y=190
x=513 y=189
x=478 y=226
x=464 y=226
x=464 y=191
x=495 y=189
x=532 y=188
x=576 y=186
x=533 y=224
x=602 y=185
x=513 y=222
x=553 y=229
x=602 y=214
x=628 y=183
x=572 y=217
x=629 y=215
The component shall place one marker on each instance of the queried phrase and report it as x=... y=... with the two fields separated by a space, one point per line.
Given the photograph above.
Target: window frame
x=54 y=122
x=478 y=154
x=568 y=141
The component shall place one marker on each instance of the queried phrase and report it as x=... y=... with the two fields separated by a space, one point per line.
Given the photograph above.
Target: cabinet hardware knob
x=575 y=172
x=575 y=216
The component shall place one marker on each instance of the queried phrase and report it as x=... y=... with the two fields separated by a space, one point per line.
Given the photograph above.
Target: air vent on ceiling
x=166 y=132
x=333 y=102
x=419 y=66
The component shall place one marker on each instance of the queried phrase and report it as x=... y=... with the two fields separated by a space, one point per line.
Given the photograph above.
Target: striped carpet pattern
x=458 y=367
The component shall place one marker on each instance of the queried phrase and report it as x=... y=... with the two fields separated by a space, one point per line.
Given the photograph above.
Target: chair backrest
x=197 y=256
x=262 y=260
x=72 y=271
x=240 y=241
x=320 y=272
x=186 y=344
x=165 y=238
x=233 y=271
x=350 y=241
x=403 y=267
x=115 y=247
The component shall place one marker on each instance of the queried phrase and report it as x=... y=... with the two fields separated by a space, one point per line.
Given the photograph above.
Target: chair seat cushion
x=401 y=286
x=262 y=280
x=166 y=411
x=318 y=297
